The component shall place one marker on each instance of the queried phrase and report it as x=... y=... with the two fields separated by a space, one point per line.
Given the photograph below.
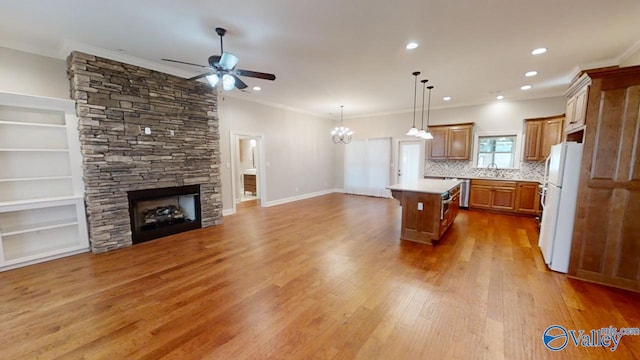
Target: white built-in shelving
x=42 y=213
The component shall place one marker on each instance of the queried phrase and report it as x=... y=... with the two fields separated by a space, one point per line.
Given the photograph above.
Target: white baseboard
x=227 y=212
x=300 y=197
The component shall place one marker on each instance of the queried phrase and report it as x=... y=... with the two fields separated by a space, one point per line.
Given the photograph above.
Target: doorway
x=247 y=169
x=410 y=160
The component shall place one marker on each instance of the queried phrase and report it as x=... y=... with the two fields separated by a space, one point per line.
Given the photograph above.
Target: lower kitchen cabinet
x=493 y=195
x=527 y=198
x=505 y=196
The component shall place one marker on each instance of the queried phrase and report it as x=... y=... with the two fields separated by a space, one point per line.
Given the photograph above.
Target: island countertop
x=428 y=186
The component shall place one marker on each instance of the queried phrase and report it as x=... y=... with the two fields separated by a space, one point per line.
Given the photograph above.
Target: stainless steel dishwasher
x=464 y=191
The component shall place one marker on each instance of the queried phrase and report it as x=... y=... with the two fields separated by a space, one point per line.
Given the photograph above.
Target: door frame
x=261 y=182
x=396 y=149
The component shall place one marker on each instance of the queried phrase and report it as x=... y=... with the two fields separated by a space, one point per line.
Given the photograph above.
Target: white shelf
x=42 y=211
x=5 y=122
x=14 y=256
x=41 y=202
x=35 y=150
x=38 y=227
x=37 y=178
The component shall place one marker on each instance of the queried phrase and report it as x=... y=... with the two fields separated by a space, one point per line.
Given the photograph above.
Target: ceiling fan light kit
x=222 y=68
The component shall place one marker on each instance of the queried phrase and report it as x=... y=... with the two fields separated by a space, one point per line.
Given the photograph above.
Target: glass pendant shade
x=213 y=79
x=413 y=131
x=228 y=82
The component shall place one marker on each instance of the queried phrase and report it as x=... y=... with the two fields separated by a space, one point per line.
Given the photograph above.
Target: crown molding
x=69 y=46
x=630 y=51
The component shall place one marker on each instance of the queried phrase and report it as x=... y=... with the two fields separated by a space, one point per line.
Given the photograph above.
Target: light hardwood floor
x=326 y=277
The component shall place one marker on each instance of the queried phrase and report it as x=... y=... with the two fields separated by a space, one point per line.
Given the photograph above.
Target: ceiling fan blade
x=255 y=74
x=186 y=63
x=200 y=76
x=239 y=83
x=228 y=61
x=214 y=61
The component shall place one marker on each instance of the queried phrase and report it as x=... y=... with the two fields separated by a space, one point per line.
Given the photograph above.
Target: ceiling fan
x=222 y=68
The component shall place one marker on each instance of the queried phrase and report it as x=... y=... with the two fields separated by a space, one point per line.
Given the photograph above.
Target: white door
x=408 y=161
x=549 y=222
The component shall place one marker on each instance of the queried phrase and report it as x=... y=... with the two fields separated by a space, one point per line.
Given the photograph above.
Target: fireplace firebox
x=155 y=213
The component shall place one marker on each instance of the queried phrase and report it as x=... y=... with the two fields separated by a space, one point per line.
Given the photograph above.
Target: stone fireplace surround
x=114 y=103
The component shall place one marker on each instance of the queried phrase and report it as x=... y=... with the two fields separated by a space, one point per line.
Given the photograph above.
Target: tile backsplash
x=528 y=171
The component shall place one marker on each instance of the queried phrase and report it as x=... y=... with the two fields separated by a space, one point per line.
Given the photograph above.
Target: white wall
x=498 y=116
x=25 y=73
x=298 y=151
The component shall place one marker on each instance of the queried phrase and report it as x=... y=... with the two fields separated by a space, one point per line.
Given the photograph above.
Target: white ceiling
x=335 y=52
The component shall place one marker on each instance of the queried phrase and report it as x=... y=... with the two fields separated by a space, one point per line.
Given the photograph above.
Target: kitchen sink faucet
x=494 y=166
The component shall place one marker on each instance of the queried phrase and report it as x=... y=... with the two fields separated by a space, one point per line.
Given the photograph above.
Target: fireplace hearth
x=155 y=213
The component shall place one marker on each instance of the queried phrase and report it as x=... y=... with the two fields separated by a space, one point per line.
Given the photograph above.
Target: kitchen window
x=498 y=149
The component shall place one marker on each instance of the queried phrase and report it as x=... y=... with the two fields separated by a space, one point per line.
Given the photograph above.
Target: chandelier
x=341 y=134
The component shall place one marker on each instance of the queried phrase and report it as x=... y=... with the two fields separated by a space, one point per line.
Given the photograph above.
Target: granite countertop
x=428 y=186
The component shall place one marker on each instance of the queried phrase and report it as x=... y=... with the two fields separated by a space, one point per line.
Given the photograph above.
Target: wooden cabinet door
x=580 y=107
x=527 y=198
x=570 y=114
x=438 y=145
x=606 y=245
x=503 y=198
x=533 y=130
x=459 y=143
x=480 y=196
x=551 y=135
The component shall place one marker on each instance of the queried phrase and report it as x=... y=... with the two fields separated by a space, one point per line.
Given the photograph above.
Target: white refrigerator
x=562 y=172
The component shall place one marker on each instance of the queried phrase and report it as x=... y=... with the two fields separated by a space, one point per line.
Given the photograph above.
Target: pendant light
x=428 y=135
x=413 y=131
x=423 y=134
x=341 y=134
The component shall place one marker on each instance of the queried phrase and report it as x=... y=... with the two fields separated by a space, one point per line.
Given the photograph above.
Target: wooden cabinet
x=540 y=135
x=450 y=142
x=421 y=214
x=577 y=95
x=42 y=212
x=493 y=195
x=249 y=183
x=527 y=198
x=606 y=245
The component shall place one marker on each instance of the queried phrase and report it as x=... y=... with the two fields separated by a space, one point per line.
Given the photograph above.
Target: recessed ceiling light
x=499 y=97
x=257 y=88
x=539 y=51
x=446 y=98
x=411 y=45
x=525 y=87
x=531 y=73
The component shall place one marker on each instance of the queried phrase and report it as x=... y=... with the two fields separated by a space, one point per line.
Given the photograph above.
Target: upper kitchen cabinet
x=450 y=142
x=577 y=104
x=605 y=246
x=540 y=135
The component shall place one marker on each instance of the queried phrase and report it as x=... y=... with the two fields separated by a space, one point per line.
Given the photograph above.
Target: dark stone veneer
x=114 y=103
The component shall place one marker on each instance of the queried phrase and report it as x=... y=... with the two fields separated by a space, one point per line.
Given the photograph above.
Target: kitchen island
x=429 y=207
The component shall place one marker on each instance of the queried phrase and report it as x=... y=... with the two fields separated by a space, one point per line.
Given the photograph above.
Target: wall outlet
x=420 y=206
x=172 y=133
x=147 y=131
